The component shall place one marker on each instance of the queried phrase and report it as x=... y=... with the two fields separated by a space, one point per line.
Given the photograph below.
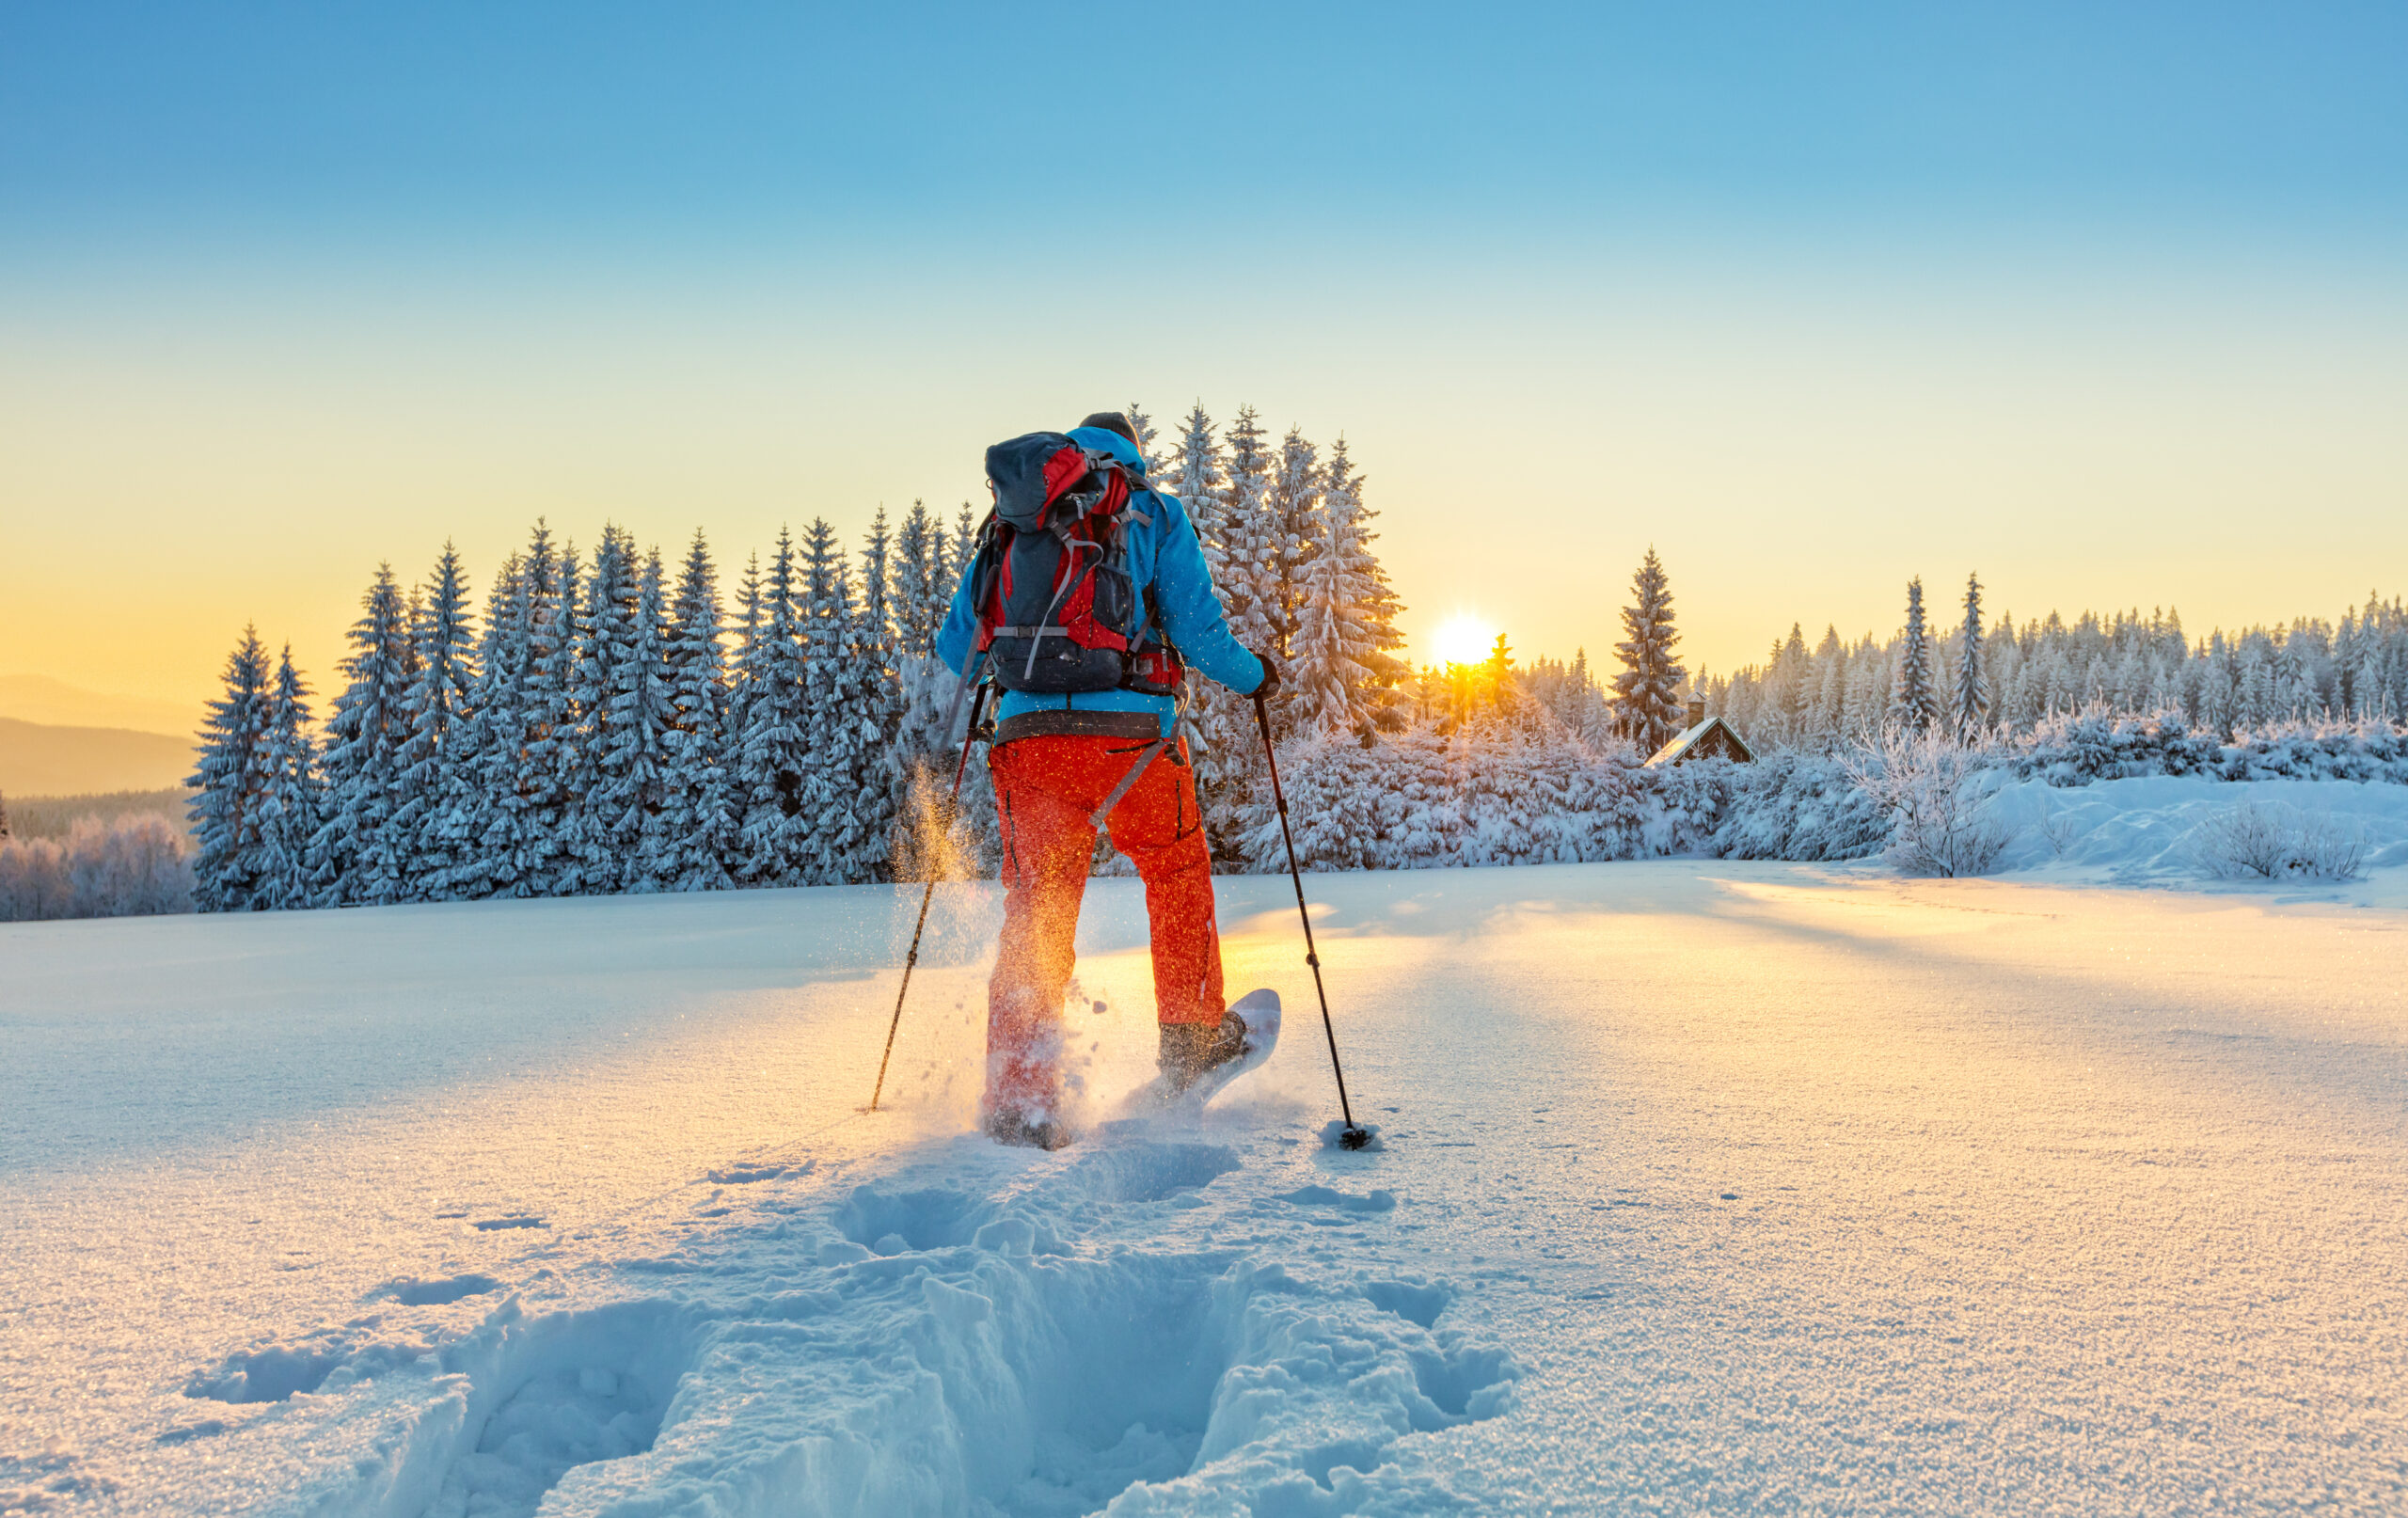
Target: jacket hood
x=1102 y=440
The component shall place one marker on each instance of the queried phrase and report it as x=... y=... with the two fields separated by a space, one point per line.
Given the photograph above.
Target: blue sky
x=1810 y=297
x=298 y=121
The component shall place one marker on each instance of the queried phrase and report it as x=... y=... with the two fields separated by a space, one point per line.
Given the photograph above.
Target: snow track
x=968 y=1336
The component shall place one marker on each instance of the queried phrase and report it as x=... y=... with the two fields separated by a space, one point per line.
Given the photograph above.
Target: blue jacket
x=1164 y=554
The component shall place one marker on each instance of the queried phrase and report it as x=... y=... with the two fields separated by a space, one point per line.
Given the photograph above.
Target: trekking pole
x=1351 y=1137
x=960 y=766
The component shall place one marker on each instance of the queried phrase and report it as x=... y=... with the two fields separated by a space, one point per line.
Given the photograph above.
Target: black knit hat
x=1112 y=422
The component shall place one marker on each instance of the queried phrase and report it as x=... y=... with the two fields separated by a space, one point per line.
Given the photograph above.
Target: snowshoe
x=1026 y=1130
x=1197 y=1061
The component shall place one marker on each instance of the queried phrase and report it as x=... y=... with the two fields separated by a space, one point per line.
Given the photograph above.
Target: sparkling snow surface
x=1704 y=1187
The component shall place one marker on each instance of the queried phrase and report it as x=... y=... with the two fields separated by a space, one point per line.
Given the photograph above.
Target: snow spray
x=960 y=766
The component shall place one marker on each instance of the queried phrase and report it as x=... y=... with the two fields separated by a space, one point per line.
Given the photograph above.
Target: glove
x=1270 y=685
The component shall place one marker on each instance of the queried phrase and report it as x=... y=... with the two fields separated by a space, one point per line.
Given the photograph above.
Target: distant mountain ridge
x=37 y=759
x=39 y=698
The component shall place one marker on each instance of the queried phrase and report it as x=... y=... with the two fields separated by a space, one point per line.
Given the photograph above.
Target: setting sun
x=1462 y=639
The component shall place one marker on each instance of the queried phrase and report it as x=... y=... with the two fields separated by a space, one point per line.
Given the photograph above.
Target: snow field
x=1707 y=1187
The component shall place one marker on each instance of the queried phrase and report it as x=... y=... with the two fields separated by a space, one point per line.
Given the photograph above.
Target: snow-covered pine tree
x=847 y=805
x=449 y=849
x=1868 y=692
x=965 y=541
x=229 y=783
x=438 y=709
x=354 y=858
x=1914 y=702
x=697 y=829
x=2296 y=698
x=918 y=564
x=495 y=854
x=1227 y=757
x=1196 y=479
x=878 y=643
x=621 y=699
x=290 y=803
x=1296 y=535
x=1831 y=684
x=1973 y=696
x=1583 y=708
x=1248 y=573
x=1374 y=599
x=922 y=595
x=2058 y=685
x=1793 y=677
x=2255 y=696
x=643 y=716
x=555 y=752
x=1647 y=692
x=1496 y=677
x=775 y=846
x=1147 y=435
x=595 y=786
x=1240 y=550
x=1345 y=667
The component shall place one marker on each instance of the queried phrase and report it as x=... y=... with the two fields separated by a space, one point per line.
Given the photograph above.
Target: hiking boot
x=1191 y=1049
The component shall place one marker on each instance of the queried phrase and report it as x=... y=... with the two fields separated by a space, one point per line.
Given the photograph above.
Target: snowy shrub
x=129 y=867
x=2075 y=749
x=1422 y=800
x=2373 y=751
x=1934 y=789
x=2097 y=744
x=2273 y=841
x=1794 y=805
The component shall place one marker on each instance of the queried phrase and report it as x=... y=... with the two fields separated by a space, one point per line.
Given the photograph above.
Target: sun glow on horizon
x=1462 y=639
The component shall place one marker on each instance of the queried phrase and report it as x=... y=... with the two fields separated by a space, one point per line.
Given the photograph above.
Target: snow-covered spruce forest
x=610 y=722
x=2024 y=677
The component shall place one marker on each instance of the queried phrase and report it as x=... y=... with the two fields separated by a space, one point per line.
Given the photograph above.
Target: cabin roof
x=1687 y=742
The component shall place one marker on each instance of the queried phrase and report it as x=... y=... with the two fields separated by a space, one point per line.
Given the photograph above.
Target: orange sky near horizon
x=1794 y=451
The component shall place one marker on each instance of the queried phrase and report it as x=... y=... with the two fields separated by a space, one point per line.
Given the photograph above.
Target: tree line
x=605 y=724
x=2009 y=678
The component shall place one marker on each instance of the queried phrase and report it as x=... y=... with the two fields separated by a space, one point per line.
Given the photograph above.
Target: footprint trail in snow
x=1148 y=1323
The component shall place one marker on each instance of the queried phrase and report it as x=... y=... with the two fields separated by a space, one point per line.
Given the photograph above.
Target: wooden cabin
x=1706 y=737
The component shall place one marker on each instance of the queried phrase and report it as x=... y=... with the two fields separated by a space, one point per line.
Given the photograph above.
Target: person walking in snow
x=1089 y=600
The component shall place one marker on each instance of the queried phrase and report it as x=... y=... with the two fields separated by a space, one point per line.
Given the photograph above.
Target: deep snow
x=1705 y=1185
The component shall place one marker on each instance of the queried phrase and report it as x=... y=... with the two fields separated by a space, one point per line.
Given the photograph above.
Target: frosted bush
x=1420 y=799
x=1934 y=789
x=2097 y=744
x=128 y=867
x=1794 y=805
x=2254 y=840
x=33 y=880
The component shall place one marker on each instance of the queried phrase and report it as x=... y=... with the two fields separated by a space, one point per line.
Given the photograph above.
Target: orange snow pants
x=1046 y=788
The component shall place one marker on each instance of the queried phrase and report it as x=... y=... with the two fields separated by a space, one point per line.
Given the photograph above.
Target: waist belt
x=1079 y=724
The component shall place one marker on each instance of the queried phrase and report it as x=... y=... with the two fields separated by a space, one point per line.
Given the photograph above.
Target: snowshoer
x=1089 y=599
